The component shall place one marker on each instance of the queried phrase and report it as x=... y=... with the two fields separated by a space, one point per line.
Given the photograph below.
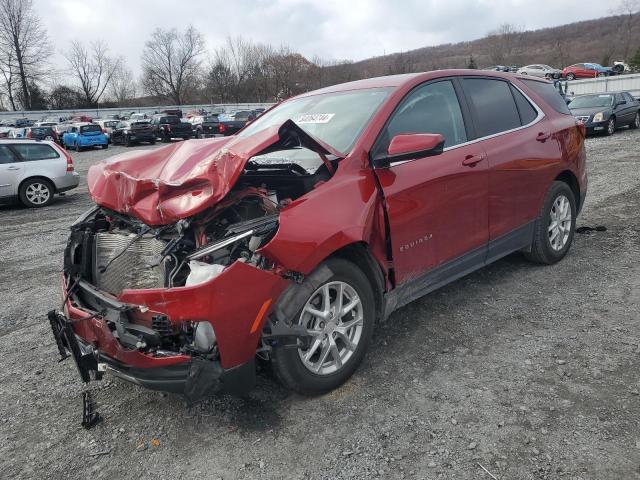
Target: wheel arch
x=40 y=177
x=568 y=177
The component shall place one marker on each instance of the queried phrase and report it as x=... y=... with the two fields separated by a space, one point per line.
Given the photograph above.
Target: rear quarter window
x=549 y=94
x=31 y=152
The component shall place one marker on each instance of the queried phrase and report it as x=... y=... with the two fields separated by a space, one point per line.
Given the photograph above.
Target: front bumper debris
x=194 y=379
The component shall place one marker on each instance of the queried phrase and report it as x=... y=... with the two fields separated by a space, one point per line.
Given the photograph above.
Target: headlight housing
x=598 y=117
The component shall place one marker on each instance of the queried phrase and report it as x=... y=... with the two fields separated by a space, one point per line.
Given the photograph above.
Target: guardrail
x=101 y=112
x=629 y=83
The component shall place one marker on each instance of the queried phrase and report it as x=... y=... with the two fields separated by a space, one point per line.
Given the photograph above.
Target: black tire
x=286 y=362
x=127 y=141
x=611 y=126
x=105 y=146
x=78 y=147
x=165 y=139
x=152 y=142
x=25 y=195
x=571 y=76
x=636 y=122
x=541 y=249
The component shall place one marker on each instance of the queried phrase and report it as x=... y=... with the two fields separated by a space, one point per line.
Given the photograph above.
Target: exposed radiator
x=130 y=269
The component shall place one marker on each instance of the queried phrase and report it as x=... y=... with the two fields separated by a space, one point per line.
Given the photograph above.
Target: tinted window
x=170 y=120
x=494 y=106
x=628 y=97
x=527 y=113
x=43 y=131
x=549 y=94
x=6 y=155
x=32 y=151
x=90 y=128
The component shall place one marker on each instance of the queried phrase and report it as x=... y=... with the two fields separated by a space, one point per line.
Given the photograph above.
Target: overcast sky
x=331 y=29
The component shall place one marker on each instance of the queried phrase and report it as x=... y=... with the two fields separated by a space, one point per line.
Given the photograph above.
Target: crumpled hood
x=164 y=185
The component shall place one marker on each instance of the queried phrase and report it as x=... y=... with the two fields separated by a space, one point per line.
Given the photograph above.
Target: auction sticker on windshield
x=314 y=118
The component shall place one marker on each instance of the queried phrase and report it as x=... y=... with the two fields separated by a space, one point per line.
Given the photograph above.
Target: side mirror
x=410 y=146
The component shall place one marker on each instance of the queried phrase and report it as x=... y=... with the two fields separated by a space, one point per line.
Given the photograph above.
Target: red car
x=288 y=241
x=585 y=70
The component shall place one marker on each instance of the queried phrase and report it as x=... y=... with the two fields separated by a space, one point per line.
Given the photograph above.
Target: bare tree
x=123 y=86
x=503 y=42
x=92 y=68
x=171 y=62
x=629 y=12
x=24 y=46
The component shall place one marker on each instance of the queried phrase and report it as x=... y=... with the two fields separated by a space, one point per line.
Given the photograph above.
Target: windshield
x=590 y=101
x=41 y=131
x=336 y=118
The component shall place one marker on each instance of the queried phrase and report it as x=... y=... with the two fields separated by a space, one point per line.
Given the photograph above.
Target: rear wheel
x=127 y=141
x=36 y=193
x=339 y=315
x=571 y=76
x=555 y=226
x=105 y=146
x=636 y=121
x=78 y=147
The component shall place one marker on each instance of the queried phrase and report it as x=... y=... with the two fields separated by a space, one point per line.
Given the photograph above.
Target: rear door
x=41 y=159
x=11 y=172
x=436 y=206
x=522 y=154
x=624 y=110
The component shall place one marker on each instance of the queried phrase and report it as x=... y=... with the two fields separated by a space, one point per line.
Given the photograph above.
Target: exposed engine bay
x=114 y=252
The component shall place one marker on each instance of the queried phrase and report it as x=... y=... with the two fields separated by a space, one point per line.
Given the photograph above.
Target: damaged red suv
x=288 y=241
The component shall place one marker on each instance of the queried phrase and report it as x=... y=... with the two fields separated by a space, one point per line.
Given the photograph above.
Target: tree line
x=177 y=68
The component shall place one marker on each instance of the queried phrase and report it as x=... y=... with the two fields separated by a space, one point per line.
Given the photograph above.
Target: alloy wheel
x=559 y=223
x=636 y=121
x=38 y=193
x=611 y=127
x=334 y=318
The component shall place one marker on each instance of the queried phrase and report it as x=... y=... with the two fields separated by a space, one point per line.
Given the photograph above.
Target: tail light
x=29 y=134
x=221 y=128
x=69 y=161
x=104 y=130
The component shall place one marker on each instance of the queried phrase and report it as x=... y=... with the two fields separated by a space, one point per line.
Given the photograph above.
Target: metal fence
x=629 y=83
x=102 y=112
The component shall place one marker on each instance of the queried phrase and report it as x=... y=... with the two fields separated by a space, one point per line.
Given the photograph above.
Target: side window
x=32 y=151
x=527 y=113
x=549 y=94
x=6 y=155
x=494 y=106
x=620 y=98
x=628 y=97
x=431 y=108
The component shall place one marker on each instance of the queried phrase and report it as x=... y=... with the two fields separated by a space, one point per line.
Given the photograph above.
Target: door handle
x=543 y=136
x=13 y=168
x=472 y=160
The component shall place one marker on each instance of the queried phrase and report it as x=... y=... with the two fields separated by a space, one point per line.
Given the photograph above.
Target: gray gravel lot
x=532 y=372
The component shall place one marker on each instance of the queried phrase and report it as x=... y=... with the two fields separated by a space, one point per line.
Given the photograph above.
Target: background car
x=603 y=113
x=585 y=70
x=129 y=132
x=33 y=171
x=205 y=126
x=86 y=135
x=41 y=133
x=167 y=127
x=107 y=126
x=17 y=133
x=540 y=70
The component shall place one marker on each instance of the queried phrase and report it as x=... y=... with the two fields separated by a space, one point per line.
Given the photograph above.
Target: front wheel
x=571 y=76
x=611 y=127
x=339 y=316
x=555 y=226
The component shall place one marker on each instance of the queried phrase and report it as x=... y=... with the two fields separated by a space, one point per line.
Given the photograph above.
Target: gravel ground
x=531 y=372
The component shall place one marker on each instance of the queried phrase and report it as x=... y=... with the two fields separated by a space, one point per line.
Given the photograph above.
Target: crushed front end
x=177 y=307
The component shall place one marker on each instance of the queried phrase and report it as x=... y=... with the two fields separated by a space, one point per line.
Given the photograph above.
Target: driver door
x=437 y=206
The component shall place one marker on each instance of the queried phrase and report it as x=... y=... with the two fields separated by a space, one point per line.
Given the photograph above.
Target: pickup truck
x=167 y=127
x=231 y=124
x=205 y=126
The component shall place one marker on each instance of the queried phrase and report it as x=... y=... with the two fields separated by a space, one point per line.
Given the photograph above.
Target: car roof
x=23 y=141
x=408 y=79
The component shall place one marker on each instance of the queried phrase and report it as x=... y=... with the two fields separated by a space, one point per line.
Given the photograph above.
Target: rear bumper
x=67 y=182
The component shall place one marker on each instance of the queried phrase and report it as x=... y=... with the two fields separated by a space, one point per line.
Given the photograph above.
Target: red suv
x=288 y=241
